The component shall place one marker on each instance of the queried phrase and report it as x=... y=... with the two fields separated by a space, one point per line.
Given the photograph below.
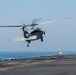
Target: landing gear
x=41 y=39
x=28 y=42
x=27 y=45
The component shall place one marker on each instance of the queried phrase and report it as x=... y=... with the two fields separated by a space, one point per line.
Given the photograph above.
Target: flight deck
x=43 y=65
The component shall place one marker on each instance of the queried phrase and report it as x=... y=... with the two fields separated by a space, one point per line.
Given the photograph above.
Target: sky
x=60 y=35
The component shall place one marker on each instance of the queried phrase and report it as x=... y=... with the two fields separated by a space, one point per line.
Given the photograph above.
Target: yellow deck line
x=24 y=65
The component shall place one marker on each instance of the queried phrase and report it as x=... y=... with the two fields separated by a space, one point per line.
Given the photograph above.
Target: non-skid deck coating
x=47 y=65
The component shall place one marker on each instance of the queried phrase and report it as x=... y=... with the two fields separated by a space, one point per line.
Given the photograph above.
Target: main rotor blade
x=12 y=26
x=34 y=21
x=48 y=22
x=54 y=20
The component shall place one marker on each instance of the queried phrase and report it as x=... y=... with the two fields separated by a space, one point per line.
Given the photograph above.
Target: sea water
x=10 y=55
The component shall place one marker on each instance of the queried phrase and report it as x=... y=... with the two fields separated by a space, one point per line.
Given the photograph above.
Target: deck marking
x=24 y=65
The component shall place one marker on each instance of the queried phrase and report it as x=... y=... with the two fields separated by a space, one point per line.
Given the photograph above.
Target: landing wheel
x=28 y=42
x=41 y=39
x=27 y=45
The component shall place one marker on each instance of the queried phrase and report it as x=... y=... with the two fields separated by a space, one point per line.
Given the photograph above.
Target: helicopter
x=31 y=32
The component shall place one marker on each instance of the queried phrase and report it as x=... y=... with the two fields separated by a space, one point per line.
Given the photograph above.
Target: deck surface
x=47 y=65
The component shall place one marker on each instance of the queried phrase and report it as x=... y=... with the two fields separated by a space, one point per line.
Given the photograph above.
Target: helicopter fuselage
x=33 y=34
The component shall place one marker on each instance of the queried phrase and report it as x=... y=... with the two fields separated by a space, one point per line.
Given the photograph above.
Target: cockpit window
x=34 y=31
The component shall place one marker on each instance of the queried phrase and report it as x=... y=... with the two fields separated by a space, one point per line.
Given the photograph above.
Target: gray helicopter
x=34 y=33
x=31 y=32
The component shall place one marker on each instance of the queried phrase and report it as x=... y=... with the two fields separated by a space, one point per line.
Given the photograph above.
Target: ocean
x=10 y=55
